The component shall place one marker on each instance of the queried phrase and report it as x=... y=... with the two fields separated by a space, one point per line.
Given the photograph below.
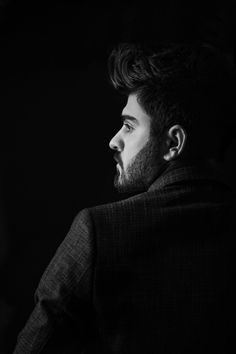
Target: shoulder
x=124 y=204
x=130 y=211
x=85 y=218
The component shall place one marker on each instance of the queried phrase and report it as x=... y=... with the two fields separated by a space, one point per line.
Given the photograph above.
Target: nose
x=116 y=143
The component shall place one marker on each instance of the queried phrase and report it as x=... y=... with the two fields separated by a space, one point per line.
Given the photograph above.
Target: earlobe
x=176 y=139
x=171 y=154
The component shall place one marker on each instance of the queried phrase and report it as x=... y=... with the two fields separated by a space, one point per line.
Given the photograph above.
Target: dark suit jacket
x=149 y=274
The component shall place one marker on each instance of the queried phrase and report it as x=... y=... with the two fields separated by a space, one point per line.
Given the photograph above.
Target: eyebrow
x=128 y=117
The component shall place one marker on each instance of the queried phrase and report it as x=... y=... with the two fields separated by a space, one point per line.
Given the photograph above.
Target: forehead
x=134 y=109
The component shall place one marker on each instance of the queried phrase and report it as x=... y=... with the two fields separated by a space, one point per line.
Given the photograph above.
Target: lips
x=116 y=159
x=119 y=162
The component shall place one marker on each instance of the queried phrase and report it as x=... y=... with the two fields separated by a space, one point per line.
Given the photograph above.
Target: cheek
x=134 y=145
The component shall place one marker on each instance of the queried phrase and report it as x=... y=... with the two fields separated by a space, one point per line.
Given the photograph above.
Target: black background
x=58 y=113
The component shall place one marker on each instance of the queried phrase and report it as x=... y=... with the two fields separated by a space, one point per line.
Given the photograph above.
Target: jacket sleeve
x=66 y=284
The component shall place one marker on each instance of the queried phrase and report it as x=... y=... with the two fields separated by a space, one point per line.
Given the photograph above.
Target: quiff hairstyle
x=186 y=84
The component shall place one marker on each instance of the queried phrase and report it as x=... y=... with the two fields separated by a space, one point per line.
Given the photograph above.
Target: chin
x=129 y=186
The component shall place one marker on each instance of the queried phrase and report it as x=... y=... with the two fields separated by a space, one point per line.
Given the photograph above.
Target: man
x=152 y=273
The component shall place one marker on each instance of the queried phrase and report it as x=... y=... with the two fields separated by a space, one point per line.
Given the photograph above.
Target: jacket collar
x=179 y=171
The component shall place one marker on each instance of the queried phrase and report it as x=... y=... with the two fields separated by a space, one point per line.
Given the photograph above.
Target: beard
x=143 y=169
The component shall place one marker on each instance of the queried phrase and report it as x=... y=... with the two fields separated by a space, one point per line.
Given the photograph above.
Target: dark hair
x=192 y=85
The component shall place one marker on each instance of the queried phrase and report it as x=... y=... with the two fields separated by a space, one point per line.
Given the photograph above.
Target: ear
x=175 y=142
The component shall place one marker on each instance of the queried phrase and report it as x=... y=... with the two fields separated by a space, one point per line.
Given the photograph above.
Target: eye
x=128 y=127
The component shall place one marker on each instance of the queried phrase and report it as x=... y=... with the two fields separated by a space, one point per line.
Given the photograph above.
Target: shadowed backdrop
x=58 y=114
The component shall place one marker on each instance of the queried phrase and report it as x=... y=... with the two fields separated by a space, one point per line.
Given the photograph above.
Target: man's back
x=149 y=274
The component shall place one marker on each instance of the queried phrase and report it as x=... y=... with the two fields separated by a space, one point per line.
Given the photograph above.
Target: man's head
x=140 y=156
x=179 y=106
